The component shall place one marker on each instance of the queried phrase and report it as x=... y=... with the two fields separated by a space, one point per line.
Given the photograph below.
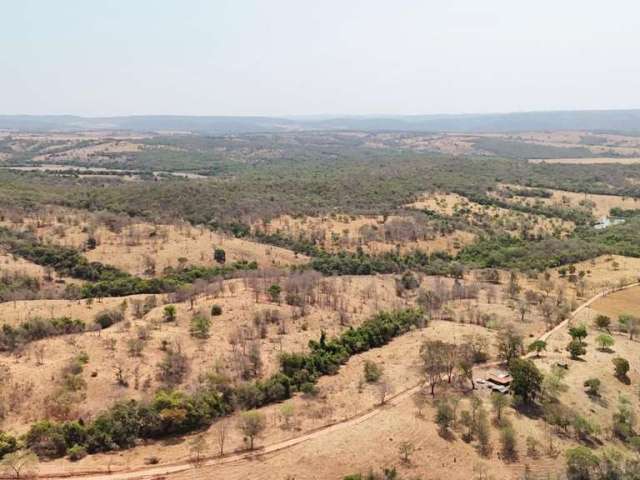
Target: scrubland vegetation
x=306 y=291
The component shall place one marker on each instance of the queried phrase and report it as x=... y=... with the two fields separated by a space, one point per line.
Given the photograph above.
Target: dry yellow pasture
x=452 y=204
x=374 y=234
x=600 y=205
x=619 y=303
x=136 y=246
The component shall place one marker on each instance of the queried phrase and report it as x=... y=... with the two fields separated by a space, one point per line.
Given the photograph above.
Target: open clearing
x=143 y=248
x=599 y=205
x=373 y=234
x=606 y=272
x=588 y=161
x=619 y=303
x=457 y=206
x=335 y=452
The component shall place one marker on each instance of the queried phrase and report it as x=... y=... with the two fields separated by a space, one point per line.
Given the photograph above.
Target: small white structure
x=606 y=222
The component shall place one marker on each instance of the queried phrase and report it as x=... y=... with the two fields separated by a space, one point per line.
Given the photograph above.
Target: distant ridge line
x=620 y=121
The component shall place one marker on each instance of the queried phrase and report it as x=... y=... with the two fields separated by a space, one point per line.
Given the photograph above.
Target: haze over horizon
x=288 y=58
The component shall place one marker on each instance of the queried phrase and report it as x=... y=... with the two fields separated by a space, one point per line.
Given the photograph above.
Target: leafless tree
x=433 y=355
x=221 y=431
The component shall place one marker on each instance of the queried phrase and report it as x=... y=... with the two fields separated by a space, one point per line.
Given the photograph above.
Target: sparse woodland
x=299 y=281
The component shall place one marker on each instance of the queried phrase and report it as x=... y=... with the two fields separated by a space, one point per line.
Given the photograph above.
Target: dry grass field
x=170 y=245
x=135 y=347
x=599 y=205
x=79 y=146
x=598 y=144
x=597 y=363
x=236 y=322
x=141 y=247
x=602 y=204
x=373 y=234
x=619 y=303
x=604 y=272
x=51 y=285
x=452 y=204
x=341 y=397
x=616 y=147
x=14 y=265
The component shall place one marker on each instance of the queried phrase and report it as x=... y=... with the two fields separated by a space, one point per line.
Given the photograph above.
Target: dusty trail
x=160 y=471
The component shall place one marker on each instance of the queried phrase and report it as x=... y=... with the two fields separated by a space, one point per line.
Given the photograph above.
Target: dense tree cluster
x=360 y=263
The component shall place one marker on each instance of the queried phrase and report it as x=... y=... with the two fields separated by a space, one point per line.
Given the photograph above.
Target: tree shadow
x=511 y=457
x=171 y=441
x=591 y=442
x=599 y=400
x=530 y=410
x=626 y=380
x=447 y=435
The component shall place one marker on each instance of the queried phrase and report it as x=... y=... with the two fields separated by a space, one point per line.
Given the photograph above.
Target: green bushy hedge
x=36 y=329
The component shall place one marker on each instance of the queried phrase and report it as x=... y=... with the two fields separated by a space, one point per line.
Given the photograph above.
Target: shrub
x=309 y=388
x=219 y=255
x=251 y=425
x=200 y=326
x=77 y=452
x=274 y=292
x=444 y=416
x=603 y=322
x=593 y=386
x=169 y=314
x=8 y=444
x=621 y=366
x=537 y=346
x=576 y=349
x=372 y=372
x=605 y=341
x=581 y=463
x=409 y=281
x=173 y=367
x=624 y=420
x=37 y=329
x=508 y=441
x=107 y=318
x=46 y=439
x=578 y=332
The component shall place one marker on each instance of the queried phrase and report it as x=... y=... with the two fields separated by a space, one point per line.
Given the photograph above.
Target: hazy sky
x=278 y=57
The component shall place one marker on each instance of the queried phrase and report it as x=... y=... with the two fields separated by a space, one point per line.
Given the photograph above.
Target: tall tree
x=433 y=355
x=526 y=379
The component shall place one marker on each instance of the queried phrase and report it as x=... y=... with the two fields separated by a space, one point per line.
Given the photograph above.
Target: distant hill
x=593 y=120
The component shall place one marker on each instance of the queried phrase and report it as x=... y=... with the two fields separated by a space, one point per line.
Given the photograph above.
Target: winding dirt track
x=160 y=471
